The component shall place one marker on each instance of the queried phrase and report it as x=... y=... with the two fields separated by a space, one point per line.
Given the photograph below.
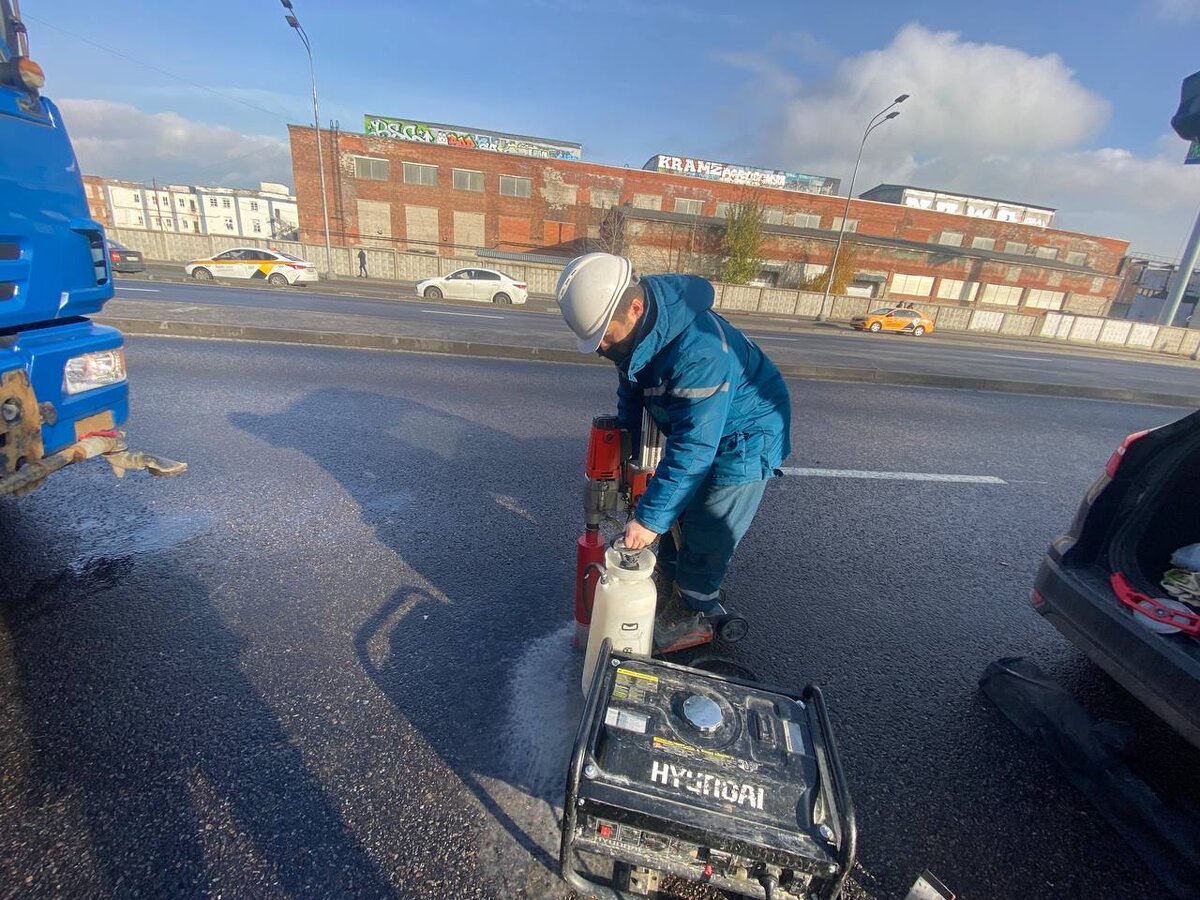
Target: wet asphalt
x=332 y=659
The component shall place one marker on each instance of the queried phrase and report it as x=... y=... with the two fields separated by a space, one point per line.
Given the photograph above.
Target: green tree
x=740 y=248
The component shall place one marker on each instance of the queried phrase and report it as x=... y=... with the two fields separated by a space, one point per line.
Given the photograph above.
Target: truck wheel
x=202 y=274
x=277 y=279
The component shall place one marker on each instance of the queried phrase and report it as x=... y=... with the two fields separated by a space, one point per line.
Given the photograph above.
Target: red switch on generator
x=605 y=831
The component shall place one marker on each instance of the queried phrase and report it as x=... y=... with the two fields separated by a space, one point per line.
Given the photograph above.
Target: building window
x=1076 y=258
x=225 y=202
x=911 y=285
x=983 y=243
x=257 y=226
x=603 y=199
x=951 y=289
x=466 y=180
x=772 y=215
x=253 y=206
x=689 y=207
x=370 y=169
x=1016 y=247
x=806 y=220
x=722 y=209
x=1039 y=299
x=851 y=224
x=137 y=198
x=140 y=222
x=1098 y=285
x=515 y=186
x=647 y=201
x=212 y=201
x=1045 y=252
x=415 y=173
x=950 y=238
x=229 y=224
x=1000 y=294
x=182 y=203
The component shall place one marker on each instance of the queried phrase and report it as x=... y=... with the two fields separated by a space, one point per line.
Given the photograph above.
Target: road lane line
x=442 y=312
x=890 y=476
x=122 y=287
x=773 y=337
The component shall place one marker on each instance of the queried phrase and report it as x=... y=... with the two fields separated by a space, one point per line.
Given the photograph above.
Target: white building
x=961 y=204
x=269 y=212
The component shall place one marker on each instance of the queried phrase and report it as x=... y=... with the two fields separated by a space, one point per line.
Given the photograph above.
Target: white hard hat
x=588 y=292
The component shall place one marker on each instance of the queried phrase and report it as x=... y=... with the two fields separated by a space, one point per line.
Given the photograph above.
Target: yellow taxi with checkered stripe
x=272 y=266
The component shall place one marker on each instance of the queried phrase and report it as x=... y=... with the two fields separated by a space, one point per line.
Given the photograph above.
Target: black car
x=1101 y=582
x=123 y=259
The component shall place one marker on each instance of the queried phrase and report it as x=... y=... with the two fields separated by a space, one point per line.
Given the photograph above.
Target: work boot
x=676 y=625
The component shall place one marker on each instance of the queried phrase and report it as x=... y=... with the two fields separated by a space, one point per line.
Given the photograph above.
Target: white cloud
x=1177 y=10
x=121 y=141
x=982 y=119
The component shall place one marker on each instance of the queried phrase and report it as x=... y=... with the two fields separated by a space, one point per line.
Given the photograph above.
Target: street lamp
x=290 y=18
x=871 y=126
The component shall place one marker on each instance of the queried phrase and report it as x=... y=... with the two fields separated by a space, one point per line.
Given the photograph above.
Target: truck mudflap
x=23 y=463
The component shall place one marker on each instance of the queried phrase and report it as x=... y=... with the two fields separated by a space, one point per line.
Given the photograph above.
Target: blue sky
x=1061 y=104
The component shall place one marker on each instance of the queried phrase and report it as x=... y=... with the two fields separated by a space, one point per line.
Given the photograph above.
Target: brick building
x=441 y=198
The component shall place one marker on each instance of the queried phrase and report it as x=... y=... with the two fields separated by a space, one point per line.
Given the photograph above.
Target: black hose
x=769 y=883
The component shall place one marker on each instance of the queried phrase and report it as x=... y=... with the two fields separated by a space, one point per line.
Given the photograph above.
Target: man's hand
x=638 y=535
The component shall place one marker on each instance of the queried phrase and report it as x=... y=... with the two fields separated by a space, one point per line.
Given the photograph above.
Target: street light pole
x=837 y=250
x=291 y=19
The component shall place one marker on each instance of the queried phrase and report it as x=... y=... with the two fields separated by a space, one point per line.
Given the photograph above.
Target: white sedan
x=484 y=285
x=270 y=266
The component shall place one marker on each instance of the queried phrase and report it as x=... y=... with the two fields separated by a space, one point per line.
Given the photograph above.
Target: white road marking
x=891 y=476
x=122 y=287
x=773 y=337
x=442 y=312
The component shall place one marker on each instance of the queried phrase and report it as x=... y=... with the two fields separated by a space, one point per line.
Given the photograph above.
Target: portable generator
x=707 y=778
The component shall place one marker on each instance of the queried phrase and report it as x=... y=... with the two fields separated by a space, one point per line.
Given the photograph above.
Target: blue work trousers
x=712 y=526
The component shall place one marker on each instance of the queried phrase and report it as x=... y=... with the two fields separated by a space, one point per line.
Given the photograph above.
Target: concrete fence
x=399 y=265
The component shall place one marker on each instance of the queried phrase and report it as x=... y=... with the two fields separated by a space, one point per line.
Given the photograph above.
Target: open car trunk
x=1160 y=514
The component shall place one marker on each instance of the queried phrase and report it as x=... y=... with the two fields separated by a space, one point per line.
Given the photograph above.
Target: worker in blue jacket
x=721 y=404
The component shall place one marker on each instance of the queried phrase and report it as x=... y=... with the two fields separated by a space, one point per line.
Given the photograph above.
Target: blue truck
x=64 y=393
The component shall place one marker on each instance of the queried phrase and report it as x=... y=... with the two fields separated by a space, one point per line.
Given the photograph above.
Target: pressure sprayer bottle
x=623 y=610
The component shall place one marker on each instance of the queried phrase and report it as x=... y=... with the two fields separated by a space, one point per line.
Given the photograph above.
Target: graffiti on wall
x=451 y=136
x=746 y=175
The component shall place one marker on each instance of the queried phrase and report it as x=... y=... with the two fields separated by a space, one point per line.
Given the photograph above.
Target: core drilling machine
x=616 y=481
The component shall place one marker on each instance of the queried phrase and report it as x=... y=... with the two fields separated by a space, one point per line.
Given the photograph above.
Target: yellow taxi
x=276 y=268
x=894 y=318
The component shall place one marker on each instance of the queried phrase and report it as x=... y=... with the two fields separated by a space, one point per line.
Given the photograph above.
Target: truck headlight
x=93 y=370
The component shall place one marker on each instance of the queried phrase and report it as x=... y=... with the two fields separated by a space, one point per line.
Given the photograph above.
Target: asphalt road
x=332 y=659
x=940 y=354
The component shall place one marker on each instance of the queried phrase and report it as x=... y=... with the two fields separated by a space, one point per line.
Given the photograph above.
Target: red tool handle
x=1152 y=608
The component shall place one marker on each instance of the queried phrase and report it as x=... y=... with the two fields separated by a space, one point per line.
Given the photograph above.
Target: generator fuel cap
x=702 y=713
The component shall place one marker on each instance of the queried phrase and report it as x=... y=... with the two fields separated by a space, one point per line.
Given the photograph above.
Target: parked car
x=271 y=266
x=122 y=259
x=484 y=285
x=894 y=318
x=1101 y=582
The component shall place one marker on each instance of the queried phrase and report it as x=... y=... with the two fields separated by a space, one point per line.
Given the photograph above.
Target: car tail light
x=1036 y=600
x=1114 y=461
x=114 y=255
x=518 y=284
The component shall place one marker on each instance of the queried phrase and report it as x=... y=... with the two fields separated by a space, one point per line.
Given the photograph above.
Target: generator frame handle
x=589 y=727
x=829 y=764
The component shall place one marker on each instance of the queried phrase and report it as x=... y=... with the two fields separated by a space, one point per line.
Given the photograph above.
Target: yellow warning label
x=634 y=687
x=688 y=748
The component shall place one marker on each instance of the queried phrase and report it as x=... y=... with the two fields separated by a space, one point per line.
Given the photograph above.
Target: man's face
x=618 y=341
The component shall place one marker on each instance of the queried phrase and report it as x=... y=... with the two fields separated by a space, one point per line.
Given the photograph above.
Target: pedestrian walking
x=362 y=264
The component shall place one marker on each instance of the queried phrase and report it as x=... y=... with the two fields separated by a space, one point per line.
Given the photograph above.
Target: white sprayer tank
x=623 y=609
